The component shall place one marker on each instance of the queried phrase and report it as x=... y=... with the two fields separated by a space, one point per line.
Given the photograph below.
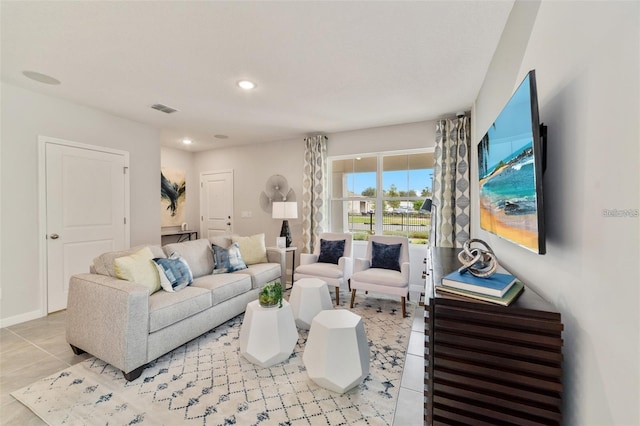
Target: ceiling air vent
x=164 y=108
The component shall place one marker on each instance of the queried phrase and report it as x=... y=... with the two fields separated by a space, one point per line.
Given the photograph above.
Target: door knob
x=54 y=236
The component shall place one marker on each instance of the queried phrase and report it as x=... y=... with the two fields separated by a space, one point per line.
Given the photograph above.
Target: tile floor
x=38 y=348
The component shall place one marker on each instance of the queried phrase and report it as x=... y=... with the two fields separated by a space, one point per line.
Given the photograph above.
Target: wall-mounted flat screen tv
x=510 y=164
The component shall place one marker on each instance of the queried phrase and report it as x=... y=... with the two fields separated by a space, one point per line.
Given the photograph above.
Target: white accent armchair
x=368 y=274
x=335 y=274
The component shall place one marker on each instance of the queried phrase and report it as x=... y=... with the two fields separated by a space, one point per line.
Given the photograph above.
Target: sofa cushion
x=224 y=286
x=262 y=273
x=103 y=264
x=197 y=253
x=169 y=308
x=139 y=268
x=387 y=277
x=327 y=270
x=252 y=248
x=174 y=272
x=227 y=259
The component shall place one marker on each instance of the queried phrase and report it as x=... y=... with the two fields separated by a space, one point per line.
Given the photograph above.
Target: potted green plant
x=271 y=295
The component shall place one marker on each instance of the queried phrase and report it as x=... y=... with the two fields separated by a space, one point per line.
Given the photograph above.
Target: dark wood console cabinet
x=490 y=364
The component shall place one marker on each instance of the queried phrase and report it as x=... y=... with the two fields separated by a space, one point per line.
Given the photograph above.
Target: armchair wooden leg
x=404 y=309
x=338 y=296
x=353 y=296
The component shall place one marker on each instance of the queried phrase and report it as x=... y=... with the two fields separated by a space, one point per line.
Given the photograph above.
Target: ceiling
x=320 y=67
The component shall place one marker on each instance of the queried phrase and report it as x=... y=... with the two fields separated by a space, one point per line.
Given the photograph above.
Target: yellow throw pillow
x=138 y=268
x=252 y=249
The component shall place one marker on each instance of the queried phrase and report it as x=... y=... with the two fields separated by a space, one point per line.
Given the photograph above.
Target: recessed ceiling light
x=42 y=78
x=221 y=136
x=246 y=84
x=187 y=141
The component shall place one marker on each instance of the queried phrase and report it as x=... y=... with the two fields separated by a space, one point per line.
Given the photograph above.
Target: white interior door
x=86 y=212
x=216 y=203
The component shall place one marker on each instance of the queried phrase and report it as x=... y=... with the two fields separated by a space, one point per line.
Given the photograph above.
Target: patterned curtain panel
x=450 y=227
x=315 y=196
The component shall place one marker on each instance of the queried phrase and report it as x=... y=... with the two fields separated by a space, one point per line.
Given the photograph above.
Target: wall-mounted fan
x=276 y=189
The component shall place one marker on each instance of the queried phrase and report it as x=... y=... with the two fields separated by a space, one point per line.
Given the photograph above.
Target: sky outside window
x=418 y=180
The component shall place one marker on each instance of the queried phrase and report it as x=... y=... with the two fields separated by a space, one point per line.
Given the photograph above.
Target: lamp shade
x=284 y=210
x=427 y=205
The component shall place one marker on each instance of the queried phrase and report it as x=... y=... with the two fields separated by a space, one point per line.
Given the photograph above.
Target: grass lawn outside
x=414 y=226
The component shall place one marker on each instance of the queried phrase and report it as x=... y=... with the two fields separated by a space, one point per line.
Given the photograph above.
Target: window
x=382 y=194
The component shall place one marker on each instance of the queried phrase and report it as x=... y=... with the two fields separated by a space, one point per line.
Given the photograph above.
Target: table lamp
x=285 y=210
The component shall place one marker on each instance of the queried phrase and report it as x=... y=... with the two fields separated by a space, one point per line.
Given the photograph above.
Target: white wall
x=184 y=160
x=418 y=135
x=252 y=166
x=586 y=57
x=25 y=115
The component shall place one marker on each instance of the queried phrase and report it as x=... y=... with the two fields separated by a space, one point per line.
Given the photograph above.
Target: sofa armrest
x=361 y=264
x=278 y=255
x=308 y=258
x=109 y=318
x=346 y=264
x=404 y=270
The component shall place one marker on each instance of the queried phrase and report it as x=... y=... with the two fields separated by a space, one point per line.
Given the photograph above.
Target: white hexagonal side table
x=268 y=335
x=337 y=351
x=308 y=297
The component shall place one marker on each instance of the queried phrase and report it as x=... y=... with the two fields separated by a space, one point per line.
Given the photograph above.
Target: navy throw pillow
x=331 y=251
x=385 y=256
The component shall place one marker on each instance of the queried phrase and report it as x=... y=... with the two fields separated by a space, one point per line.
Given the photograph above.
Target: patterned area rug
x=208 y=382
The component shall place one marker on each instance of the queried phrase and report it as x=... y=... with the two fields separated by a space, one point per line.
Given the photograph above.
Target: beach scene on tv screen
x=507 y=178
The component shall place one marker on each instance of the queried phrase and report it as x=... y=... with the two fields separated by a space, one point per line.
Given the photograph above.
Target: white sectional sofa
x=125 y=324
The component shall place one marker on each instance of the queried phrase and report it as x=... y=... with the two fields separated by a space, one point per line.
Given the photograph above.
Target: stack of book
x=499 y=288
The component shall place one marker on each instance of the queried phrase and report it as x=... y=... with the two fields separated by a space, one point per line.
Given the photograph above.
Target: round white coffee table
x=268 y=335
x=337 y=351
x=308 y=297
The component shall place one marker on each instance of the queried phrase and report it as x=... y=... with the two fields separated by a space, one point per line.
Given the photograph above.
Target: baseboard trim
x=7 y=322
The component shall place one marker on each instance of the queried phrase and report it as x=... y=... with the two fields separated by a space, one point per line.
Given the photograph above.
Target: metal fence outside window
x=414 y=225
